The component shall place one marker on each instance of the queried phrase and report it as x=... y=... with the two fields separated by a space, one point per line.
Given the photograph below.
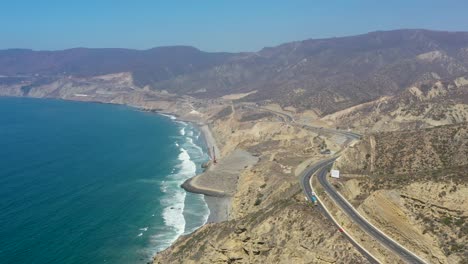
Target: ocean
x=94 y=183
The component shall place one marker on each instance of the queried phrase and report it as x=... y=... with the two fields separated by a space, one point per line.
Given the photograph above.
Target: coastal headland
x=268 y=115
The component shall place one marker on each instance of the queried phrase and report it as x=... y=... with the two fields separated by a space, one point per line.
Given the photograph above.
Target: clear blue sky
x=214 y=25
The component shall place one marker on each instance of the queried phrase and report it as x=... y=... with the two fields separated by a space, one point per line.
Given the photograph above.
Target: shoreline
x=218 y=203
x=142 y=223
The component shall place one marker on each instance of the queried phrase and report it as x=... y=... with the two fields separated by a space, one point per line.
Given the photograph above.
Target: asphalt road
x=289 y=119
x=322 y=168
x=305 y=180
x=358 y=219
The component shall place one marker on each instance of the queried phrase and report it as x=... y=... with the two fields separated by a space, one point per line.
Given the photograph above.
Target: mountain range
x=324 y=75
x=405 y=91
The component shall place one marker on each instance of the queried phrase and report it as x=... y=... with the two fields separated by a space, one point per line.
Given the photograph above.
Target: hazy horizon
x=177 y=45
x=214 y=26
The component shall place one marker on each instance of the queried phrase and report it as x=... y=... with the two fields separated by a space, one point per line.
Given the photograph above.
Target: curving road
x=322 y=168
x=289 y=119
x=307 y=187
x=404 y=254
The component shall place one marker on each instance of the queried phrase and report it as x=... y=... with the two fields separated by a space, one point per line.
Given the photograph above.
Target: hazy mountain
x=332 y=74
x=147 y=66
x=322 y=74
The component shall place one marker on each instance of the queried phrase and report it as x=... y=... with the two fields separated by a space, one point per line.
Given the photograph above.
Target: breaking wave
x=182 y=212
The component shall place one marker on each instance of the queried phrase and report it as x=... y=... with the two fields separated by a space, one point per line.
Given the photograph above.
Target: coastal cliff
x=262 y=216
x=382 y=81
x=269 y=219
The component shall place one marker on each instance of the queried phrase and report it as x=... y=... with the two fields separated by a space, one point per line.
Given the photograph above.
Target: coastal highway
x=322 y=168
x=287 y=118
x=404 y=253
x=307 y=187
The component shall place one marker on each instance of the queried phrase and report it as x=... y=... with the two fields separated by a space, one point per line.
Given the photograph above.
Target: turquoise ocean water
x=93 y=183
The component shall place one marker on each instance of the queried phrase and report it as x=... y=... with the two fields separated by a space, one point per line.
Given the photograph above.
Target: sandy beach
x=209 y=139
x=217 y=200
x=218 y=183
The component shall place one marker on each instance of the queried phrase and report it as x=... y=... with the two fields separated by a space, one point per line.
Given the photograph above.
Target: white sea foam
x=173 y=200
x=163 y=187
x=170 y=116
x=174 y=204
x=190 y=141
x=180 y=122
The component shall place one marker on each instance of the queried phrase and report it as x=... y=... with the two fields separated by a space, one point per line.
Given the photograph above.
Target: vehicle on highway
x=314 y=199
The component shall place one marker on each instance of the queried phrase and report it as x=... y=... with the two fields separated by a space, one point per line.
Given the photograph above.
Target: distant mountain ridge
x=150 y=65
x=336 y=73
x=326 y=75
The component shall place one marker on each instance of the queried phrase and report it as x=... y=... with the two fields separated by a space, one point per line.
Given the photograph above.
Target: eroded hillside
x=333 y=74
x=270 y=220
x=287 y=232
x=414 y=185
x=423 y=105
